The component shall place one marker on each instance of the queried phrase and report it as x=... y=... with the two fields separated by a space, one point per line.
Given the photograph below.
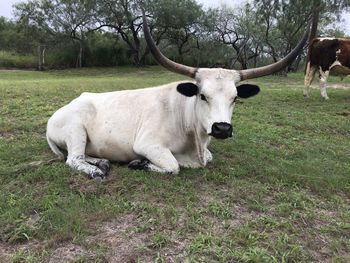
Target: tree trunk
x=40 y=59
x=79 y=63
x=135 y=54
x=297 y=63
x=243 y=63
x=314 y=25
x=43 y=56
x=315 y=19
x=181 y=55
x=145 y=54
x=241 y=60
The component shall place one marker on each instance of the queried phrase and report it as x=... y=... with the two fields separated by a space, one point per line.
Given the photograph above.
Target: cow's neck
x=200 y=135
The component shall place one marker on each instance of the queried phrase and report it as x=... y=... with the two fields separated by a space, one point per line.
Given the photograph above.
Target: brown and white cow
x=327 y=55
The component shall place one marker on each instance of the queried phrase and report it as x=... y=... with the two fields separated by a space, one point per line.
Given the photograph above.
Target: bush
x=61 y=57
x=104 y=50
x=11 y=59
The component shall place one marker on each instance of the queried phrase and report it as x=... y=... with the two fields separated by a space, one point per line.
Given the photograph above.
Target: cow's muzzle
x=221 y=130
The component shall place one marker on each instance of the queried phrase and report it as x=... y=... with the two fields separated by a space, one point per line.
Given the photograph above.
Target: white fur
x=325 y=38
x=323 y=83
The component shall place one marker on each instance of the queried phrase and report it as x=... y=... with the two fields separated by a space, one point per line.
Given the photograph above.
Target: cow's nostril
x=216 y=128
x=221 y=130
x=226 y=128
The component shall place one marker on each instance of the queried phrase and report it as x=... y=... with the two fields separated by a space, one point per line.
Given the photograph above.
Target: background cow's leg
x=309 y=76
x=161 y=159
x=76 y=144
x=323 y=83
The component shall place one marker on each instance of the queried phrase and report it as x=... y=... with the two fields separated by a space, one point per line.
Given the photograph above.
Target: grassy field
x=278 y=192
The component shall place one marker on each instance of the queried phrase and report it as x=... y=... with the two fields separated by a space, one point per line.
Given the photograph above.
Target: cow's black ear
x=188 y=89
x=247 y=90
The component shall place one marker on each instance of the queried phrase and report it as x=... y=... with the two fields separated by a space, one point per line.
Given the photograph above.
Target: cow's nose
x=221 y=130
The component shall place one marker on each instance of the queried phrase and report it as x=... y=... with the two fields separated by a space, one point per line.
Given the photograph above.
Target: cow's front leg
x=76 y=144
x=158 y=158
x=103 y=164
x=309 y=76
x=323 y=84
x=208 y=156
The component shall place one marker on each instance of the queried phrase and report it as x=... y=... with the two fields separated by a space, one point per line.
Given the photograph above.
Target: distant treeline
x=70 y=33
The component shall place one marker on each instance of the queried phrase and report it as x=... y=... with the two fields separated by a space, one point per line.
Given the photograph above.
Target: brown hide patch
x=344 y=55
x=323 y=52
x=340 y=71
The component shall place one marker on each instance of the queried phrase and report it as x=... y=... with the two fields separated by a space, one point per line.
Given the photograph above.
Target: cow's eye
x=204 y=98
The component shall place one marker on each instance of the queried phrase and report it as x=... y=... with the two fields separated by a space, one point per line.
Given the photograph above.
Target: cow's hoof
x=98 y=179
x=97 y=176
x=105 y=166
x=139 y=164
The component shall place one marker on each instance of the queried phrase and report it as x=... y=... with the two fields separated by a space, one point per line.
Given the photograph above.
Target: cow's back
x=323 y=52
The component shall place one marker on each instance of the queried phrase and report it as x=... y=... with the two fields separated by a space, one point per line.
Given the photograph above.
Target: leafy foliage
x=109 y=32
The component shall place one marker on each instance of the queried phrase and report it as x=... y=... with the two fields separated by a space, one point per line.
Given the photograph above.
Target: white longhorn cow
x=159 y=128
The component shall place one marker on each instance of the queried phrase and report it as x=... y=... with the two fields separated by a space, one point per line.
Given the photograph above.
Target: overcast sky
x=6 y=9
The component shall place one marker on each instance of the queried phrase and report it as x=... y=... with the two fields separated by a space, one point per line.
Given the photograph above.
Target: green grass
x=278 y=192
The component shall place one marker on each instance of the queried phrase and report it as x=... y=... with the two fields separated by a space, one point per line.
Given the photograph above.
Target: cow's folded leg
x=139 y=164
x=160 y=158
x=79 y=163
x=103 y=164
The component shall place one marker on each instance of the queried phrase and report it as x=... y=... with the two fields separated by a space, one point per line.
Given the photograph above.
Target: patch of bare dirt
x=339 y=85
x=5 y=252
x=117 y=240
x=69 y=252
x=344 y=86
x=7 y=135
x=124 y=243
x=119 y=236
x=176 y=252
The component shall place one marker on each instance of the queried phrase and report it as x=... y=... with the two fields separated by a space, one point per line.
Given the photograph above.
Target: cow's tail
x=55 y=148
x=308 y=55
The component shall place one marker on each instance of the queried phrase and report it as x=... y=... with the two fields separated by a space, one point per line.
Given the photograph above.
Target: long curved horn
x=160 y=58
x=272 y=68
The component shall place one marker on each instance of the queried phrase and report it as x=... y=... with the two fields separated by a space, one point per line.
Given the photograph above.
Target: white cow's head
x=216 y=89
x=216 y=93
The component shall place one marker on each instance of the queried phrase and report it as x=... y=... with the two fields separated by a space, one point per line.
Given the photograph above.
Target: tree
x=124 y=16
x=281 y=24
x=67 y=18
x=326 y=11
x=235 y=28
x=179 y=21
x=18 y=37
